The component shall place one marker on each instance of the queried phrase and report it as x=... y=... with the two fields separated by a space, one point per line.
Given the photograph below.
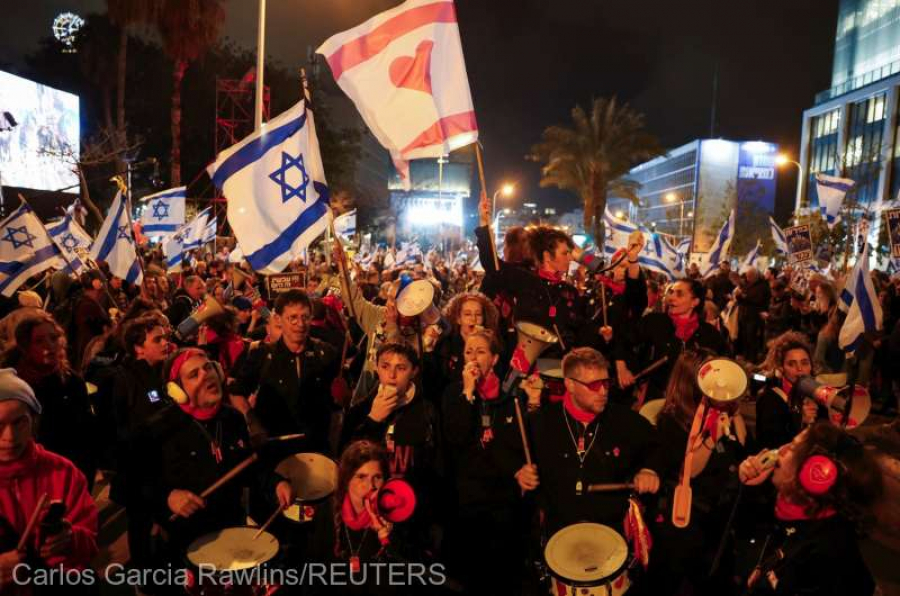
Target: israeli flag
x=720 y=248
x=71 y=239
x=186 y=238
x=658 y=253
x=115 y=244
x=832 y=191
x=345 y=224
x=751 y=261
x=164 y=212
x=26 y=249
x=864 y=311
x=778 y=237
x=276 y=189
x=208 y=234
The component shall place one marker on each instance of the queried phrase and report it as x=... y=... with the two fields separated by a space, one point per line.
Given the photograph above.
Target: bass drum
x=587 y=559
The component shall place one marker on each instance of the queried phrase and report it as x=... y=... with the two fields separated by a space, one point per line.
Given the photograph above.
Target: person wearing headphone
x=826 y=484
x=193 y=443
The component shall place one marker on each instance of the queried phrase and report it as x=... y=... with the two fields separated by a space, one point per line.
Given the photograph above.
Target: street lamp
x=506 y=190
x=671 y=198
x=782 y=160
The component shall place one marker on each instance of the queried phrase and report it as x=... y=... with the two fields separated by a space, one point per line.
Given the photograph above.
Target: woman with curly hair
x=789 y=359
x=827 y=486
x=67 y=425
x=466 y=313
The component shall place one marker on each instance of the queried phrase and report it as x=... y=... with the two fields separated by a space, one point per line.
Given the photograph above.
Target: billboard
x=38 y=151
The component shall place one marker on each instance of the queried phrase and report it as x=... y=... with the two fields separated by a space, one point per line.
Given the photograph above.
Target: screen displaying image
x=39 y=135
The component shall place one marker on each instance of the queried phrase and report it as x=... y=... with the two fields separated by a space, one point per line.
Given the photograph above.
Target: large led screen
x=39 y=133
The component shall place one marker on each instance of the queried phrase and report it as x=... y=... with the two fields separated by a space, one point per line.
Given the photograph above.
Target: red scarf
x=786 y=386
x=554 y=276
x=686 y=326
x=489 y=387
x=617 y=287
x=354 y=521
x=203 y=414
x=787 y=511
x=576 y=412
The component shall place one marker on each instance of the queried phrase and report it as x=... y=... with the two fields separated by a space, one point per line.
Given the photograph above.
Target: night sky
x=531 y=61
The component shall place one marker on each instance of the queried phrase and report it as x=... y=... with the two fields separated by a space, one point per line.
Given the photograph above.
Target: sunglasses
x=594 y=386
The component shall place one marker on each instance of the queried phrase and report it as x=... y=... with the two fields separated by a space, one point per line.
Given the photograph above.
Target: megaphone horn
x=395 y=501
x=210 y=308
x=533 y=339
x=722 y=380
x=238 y=276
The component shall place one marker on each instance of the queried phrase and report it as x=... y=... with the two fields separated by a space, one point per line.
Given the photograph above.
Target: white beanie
x=13 y=387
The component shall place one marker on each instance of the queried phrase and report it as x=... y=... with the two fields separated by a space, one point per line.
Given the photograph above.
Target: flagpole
x=480 y=160
x=260 y=65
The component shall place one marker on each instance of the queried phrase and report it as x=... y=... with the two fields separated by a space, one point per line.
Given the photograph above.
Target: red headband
x=180 y=359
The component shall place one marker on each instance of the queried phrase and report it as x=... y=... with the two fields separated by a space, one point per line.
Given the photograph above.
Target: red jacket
x=38 y=471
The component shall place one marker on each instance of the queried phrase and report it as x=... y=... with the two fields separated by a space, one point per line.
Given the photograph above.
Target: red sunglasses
x=594 y=386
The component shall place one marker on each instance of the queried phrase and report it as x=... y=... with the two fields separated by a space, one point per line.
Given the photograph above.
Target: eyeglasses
x=594 y=386
x=296 y=319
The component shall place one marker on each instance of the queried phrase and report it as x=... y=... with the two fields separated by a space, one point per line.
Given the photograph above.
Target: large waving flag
x=658 y=254
x=71 y=239
x=276 y=190
x=751 y=261
x=720 y=247
x=164 y=212
x=186 y=238
x=864 y=313
x=778 y=238
x=831 y=191
x=115 y=243
x=404 y=70
x=26 y=249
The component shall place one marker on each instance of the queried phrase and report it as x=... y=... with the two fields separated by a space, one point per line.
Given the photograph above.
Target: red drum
x=550 y=371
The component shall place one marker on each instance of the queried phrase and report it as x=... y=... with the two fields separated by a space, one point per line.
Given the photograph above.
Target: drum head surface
x=312 y=476
x=232 y=549
x=586 y=553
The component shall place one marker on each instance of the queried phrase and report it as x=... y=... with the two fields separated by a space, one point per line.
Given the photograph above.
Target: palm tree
x=188 y=29
x=592 y=158
x=125 y=14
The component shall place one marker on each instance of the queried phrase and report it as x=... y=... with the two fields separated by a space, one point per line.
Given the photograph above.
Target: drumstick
x=268 y=523
x=218 y=483
x=603 y=302
x=31 y=522
x=522 y=431
x=650 y=368
x=286 y=437
x=608 y=488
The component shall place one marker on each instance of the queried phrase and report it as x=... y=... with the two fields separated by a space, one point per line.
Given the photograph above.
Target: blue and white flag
x=115 y=243
x=657 y=255
x=208 y=234
x=864 y=311
x=778 y=238
x=276 y=189
x=720 y=247
x=345 y=224
x=164 y=212
x=831 y=191
x=751 y=261
x=26 y=249
x=71 y=239
x=186 y=238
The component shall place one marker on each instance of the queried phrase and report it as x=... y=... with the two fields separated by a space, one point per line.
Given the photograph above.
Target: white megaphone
x=188 y=327
x=722 y=381
x=416 y=299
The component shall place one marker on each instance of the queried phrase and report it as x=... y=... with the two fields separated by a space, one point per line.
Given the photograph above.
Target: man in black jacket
x=753 y=297
x=186 y=299
x=290 y=378
x=584 y=440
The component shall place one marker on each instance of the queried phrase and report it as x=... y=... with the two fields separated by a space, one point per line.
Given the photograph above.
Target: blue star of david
x=16 y=242
x=279 y=177
x=123 y=233
x=69 y=242
x=161 y=210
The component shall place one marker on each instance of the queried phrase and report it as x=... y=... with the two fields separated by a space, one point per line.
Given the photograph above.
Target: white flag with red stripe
x=404 y=70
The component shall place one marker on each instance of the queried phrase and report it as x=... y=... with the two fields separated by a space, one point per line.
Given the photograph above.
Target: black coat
x=625 y=444
x=484 y=470
x=286 y=403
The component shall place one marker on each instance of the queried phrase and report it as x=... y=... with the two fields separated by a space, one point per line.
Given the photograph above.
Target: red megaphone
x=396 y=501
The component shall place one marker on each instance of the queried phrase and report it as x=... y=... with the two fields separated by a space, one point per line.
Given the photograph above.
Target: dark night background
x=531 y=61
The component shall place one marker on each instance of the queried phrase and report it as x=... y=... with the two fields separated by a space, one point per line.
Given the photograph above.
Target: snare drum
x=231 y=550
x=550 y=371
x=313 y=478
x=587 y=559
